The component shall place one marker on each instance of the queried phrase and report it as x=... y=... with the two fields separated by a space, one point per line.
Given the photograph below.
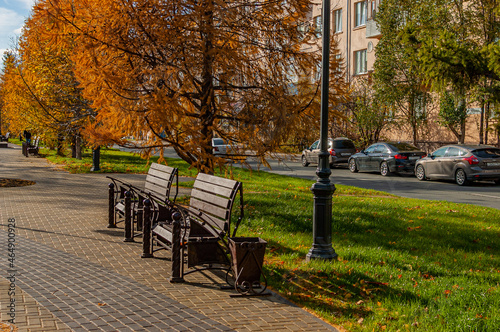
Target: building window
x=360 y=12
x=338 y=70
x=360 y=66
x=317 y=26
x=337 y=21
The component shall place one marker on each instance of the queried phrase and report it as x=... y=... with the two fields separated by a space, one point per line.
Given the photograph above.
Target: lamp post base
x=324 y=252
x=322 y=217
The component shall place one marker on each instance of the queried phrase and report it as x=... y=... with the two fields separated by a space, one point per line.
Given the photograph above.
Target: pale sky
x=12 y=16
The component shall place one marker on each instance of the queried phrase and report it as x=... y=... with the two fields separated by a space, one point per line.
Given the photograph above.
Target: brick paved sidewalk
x=74 y=274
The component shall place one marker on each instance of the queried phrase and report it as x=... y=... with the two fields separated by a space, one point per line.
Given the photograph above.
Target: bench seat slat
x=163 y=233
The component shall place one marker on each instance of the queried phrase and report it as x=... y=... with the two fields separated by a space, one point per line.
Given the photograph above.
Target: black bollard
x=96 y=159
x=147 y=243
x=129 y=230
x=111 y=206
x=176 y=249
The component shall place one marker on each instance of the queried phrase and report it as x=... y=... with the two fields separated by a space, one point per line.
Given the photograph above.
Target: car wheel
x=461 y=177
x=352 y=166
x=420 y=173
x=304 y=161
x=384 y=169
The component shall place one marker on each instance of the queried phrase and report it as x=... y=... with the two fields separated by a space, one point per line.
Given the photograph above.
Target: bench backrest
x=212 y=200
x=160 y=179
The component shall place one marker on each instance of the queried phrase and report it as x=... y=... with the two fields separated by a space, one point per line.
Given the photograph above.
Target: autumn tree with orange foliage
x=40 y=90
x=179 y=73
x=11 y=90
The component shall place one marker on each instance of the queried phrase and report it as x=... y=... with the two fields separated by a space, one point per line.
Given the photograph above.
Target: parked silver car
x=340 y=149
x=462 y=163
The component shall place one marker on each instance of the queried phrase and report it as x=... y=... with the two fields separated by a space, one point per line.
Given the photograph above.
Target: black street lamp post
x=323 y=189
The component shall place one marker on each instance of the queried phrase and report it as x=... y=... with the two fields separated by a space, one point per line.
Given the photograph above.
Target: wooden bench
x=32 y=148
x=201 y=230
x=126 y=200
x=5 y=138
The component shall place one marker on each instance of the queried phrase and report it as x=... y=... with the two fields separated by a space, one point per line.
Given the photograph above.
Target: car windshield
x=487 y=153
x=217 y=141
x=343 y=144
x=402 y=147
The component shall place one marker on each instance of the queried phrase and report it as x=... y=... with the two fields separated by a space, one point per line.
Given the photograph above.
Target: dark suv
x=340 y=150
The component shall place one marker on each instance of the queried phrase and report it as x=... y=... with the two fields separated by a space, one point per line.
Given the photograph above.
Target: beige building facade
x=354 y=27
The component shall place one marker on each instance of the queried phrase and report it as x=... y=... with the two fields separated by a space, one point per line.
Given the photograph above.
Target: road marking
x=486 y=196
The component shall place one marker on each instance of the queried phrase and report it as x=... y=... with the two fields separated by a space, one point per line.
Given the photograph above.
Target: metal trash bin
x=247 y=258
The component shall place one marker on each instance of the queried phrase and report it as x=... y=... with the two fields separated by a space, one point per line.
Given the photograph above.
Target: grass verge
x=404 y=264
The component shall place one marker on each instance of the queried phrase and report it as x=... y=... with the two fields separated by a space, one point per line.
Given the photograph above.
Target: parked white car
x=219 y=146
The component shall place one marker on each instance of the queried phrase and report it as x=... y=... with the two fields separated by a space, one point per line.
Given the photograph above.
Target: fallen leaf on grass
x=377 y=283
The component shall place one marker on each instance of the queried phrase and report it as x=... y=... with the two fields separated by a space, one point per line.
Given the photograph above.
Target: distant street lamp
x=323 y=189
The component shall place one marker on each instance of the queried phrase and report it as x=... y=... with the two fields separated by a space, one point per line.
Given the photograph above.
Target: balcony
x=372 y=30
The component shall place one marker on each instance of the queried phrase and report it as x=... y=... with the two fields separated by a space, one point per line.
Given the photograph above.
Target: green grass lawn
x=404 y=264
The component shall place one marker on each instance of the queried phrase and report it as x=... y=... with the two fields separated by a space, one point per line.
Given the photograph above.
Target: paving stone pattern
x=85 y=296
x=77 y=275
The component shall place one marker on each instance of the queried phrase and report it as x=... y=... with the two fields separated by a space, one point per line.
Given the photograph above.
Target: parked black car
x=462 y=163
x=386 y=158
x=340 y=150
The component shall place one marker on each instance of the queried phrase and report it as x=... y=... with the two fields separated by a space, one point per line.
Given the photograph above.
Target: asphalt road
x=479 y=193
x=485 y=193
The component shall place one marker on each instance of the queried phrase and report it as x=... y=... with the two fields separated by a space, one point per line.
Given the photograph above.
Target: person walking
x=27 y=136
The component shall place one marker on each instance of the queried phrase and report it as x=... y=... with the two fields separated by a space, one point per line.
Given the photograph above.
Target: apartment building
x=354 y=27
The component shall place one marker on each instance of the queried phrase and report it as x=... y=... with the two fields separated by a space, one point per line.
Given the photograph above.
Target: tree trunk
x=413 y=119
x=73 y=147
x=462 y=132
x=60 y=148
x=486 y=122
x=207 y=113
x=463 y=121
x=78 y=147
x=455 y=132
x=481 y=124
x=415 y=136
